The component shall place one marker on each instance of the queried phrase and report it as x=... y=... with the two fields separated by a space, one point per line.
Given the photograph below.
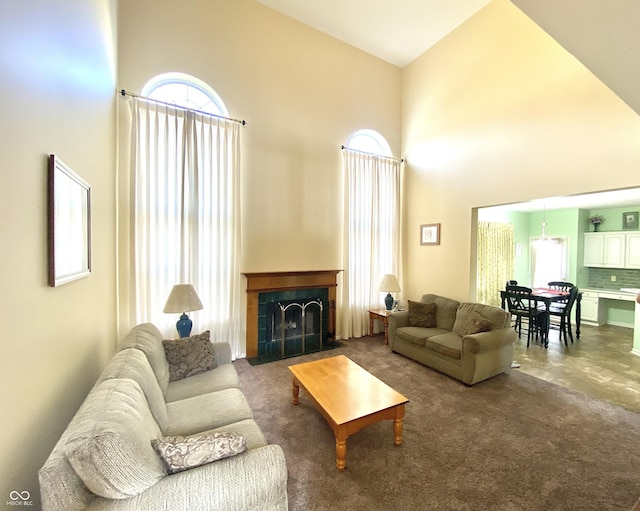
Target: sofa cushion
x=147 y=338
x=475 y=324
x=110 y=446
x=132 y=363
x=449 y=345
x=222 y=377
x=205 y=412
x=422 y=314
x=189 y=356
x=417 y=335
x=182 y=453
x=499 y=318
x=446 y=309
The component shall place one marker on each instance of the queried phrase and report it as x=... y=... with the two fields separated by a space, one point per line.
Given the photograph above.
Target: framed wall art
x=430 y=234
x=630 y=220
x=69 y=229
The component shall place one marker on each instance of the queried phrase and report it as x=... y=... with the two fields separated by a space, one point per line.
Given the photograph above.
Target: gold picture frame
x=430 y=234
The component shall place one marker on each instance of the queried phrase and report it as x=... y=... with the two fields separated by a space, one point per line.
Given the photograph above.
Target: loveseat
x=134 y=442
x=468 y=341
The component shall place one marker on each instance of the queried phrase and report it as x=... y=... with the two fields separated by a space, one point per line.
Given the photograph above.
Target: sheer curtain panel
x=371 y=236
x=186 y=218
x=495 y=260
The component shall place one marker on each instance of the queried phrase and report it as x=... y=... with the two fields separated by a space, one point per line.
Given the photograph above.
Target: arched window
x=369 y=141
x=185 y=90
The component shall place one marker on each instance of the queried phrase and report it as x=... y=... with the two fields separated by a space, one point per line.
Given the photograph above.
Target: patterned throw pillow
x=475 y=324
x=189 y=356
x=422 y=314
x=182 y=453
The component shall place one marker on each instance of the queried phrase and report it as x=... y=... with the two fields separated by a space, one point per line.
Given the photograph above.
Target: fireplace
x=293 y=327
x=290 y=313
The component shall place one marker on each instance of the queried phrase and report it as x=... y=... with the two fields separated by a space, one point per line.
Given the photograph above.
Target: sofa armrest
x=396 y=320
x=255 y=480
x=488 y=341
x=222 y=352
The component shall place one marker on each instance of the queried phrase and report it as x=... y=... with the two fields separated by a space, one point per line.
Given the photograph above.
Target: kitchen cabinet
x=589 y=309
x=632 y=251
x=605 y=249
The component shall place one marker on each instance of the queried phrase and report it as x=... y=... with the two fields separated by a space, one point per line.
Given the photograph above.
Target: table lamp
x=389 y=285
x=183 y=298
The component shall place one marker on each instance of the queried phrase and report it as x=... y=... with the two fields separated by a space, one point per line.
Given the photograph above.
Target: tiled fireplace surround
x=261 y=283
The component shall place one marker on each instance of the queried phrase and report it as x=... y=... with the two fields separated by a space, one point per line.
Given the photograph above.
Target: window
x=187 y=91
x=186 y=206
x=549 y=260
x=369 y=141
x=371 y=227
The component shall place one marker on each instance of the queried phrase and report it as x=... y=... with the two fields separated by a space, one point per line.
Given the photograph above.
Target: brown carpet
x=510 y=443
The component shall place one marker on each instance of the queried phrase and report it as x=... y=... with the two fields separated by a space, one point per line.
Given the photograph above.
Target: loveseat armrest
x=253 y=481
x=396 y=320
x=487 y=341
x=222 y=351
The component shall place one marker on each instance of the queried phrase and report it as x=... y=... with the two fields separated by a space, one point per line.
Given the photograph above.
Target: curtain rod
x=134 y=95
x=372 y=154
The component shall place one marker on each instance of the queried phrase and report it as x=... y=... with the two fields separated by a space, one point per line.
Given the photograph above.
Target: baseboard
x=636 y=352
x=618 y=323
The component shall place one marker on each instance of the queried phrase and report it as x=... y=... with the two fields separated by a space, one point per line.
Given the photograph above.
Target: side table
x=380 y=315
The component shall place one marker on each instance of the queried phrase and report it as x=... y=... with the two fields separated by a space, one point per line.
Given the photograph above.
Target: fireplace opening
x=294 y=327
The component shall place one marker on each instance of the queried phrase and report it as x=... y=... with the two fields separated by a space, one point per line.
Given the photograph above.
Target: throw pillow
x=189 y=356
x=181 y=453
x=476 y=323
x=422 y=314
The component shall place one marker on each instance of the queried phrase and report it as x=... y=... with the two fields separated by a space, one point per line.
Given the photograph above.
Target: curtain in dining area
x=186 y=218
x=495 y=260
x=371 y=236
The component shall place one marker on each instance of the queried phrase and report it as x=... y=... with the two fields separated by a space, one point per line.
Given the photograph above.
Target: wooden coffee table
x=349 y=398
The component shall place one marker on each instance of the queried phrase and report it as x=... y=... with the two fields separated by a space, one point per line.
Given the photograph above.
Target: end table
x=380 y=315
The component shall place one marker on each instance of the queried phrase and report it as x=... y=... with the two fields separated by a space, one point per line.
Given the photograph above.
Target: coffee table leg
x=341 y=451
x=295 y=389
x=398 y=422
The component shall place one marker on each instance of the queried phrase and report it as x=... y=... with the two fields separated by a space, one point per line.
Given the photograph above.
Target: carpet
x=513 y=442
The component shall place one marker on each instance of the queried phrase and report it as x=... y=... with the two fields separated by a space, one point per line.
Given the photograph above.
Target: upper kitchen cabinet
x=612 y=249
x=632 y=257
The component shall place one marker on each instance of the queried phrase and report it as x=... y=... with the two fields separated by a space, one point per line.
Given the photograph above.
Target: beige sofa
x=105 y=460
x=468 y=341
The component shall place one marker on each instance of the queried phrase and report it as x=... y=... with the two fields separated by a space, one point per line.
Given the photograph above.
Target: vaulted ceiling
x=603 y=35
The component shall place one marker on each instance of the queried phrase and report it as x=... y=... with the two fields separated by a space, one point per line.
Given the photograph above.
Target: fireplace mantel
x=281 y=281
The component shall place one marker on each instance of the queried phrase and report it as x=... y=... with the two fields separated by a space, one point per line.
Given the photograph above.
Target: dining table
x=548 y=296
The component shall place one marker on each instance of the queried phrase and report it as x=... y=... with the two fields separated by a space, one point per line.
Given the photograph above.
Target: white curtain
x=186 y=218
x=371 y=236
x=548 y=261
x=495 y=260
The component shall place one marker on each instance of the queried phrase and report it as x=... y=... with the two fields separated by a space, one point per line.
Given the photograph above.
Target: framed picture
x=430 y=234
x=69 y=217
x=630 y=220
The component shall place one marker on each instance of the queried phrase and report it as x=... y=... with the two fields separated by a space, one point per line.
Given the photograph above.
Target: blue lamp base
x=184 y=325
x=388 y=301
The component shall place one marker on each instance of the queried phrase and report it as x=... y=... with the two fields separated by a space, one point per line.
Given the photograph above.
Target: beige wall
x=302 y=94
x=498 y=112
x=56 y=87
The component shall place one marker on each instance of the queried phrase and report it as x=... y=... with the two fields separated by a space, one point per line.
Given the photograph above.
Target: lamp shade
x=183 y=298
x=389 y=284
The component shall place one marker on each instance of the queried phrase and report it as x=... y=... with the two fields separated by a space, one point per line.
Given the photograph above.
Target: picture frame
x=430 y=234
x=69 y=224
x=630 y=220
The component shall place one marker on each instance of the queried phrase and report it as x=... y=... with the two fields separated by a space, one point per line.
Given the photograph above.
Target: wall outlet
x=613 y=278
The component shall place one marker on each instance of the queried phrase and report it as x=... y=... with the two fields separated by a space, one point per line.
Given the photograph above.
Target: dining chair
x=562 y=311
x=524 y=306
x=560 y=285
